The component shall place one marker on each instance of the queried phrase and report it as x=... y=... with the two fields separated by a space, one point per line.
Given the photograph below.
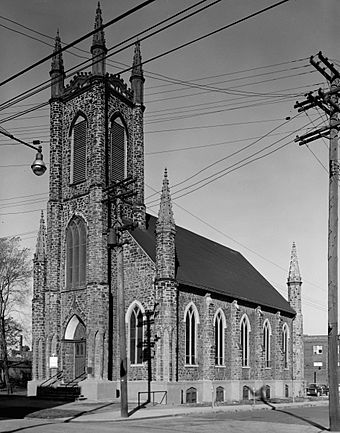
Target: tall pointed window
x=78 y=150
x=76 y=254
x=266 y=343
x=285 y=350
x=244 y=340
x=191 y=320
x=136 y=335
x=219 y=326
x=117 y=162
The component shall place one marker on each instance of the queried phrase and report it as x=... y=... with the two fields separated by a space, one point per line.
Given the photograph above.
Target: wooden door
x=79 y=358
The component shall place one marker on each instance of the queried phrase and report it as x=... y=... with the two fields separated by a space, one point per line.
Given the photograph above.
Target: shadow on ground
x=17 y=406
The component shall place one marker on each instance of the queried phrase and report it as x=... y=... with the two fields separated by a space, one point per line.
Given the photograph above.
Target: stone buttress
x=166 y=288
x=294 y=283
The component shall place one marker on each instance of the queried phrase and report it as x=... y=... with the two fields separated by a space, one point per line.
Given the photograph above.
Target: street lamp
x=38 y=166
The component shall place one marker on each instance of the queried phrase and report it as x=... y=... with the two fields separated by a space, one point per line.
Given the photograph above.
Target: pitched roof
x=204 y=264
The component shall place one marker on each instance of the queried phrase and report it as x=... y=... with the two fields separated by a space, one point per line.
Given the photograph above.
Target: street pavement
x=69 y=417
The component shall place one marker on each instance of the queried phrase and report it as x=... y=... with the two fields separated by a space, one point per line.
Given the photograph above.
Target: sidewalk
x=106 y=412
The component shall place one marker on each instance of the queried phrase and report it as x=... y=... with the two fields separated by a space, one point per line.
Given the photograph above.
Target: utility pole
x=149 y=344
x=328 y=102
x=119 y=193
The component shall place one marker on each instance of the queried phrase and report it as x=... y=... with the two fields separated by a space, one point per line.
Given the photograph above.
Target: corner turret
x=165 y=234
x=40 y=250
x=294 y=283
x=38 y=301
x=166 y=287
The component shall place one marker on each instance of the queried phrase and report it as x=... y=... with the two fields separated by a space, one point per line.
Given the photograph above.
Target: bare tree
x=15 y=274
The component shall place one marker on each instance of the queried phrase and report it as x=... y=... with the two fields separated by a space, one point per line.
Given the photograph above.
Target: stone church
x=201 y=322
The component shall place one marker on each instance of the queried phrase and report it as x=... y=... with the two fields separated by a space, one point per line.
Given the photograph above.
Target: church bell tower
x=96 y=141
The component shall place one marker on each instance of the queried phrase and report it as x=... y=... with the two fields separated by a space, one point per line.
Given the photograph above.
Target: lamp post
x=38 y=166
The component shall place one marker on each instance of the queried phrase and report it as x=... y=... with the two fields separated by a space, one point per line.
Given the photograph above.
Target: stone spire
x=165 y=235
x=57 y=69
x=98 y=48
x=40 y=250
x=165 y=215
x=294 y=275
x=294 y=283
x=137 y=77
x=137 y=69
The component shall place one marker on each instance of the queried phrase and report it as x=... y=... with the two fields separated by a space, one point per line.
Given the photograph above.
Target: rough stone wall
x=38 y=312
x=138 y=163
x=232 y=370
x=166 y=329
x=294 y=296
x=132 y=117
x=139 y=274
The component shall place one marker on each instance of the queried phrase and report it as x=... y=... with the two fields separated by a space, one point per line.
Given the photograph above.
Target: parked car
x=317 y=389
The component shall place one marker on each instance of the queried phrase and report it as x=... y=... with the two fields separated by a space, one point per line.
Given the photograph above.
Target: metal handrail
x=54 y=379
x=70 y=384
x=165 y=396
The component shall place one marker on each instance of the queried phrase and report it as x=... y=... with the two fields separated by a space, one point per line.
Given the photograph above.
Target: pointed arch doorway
x=75 y=334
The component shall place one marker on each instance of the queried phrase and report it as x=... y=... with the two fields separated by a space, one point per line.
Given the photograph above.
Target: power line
x=233 y=239
x=174 y=80
x=221 y=143
x=215 y=176
x=251 y=83
x=226 y=157
x=183 y=45
x=23 y=196
x=208 y=91
x=213 y=32
x=20 y=212
x=77 y=41
x=36 y=89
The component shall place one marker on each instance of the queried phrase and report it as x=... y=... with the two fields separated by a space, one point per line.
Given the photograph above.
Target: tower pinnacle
x=137 y=77
x=57 y=59
x=40 y=251
x=98 y=48
x=137 y=69
x=294 y=275
x=165 y=214
x=57 y=69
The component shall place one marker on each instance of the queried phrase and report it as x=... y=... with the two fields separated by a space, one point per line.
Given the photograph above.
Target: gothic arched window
x=219 y=326
x=117 y=160
x=266 y=342
x=136 y=335
x=191 y=320
x=244 y=340
x=76 y=253
x=78 y=150
x=285 y=350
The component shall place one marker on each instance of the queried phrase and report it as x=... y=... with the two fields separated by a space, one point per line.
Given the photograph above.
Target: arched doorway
x=75 y=337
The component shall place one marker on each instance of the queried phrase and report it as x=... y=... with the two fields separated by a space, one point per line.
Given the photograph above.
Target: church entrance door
x=79 y=358
x=75 y=335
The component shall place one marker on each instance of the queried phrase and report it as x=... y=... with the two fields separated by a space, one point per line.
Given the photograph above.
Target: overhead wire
x=194 y=215
x=77 y=41
x=215 y=176
x=194 y=40
x=42 y=86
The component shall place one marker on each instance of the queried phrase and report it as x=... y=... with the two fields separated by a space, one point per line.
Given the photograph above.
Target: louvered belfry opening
x=79 y=151
x=117 y=151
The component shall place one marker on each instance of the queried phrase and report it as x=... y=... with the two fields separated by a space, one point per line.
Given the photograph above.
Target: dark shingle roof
x=204 y=264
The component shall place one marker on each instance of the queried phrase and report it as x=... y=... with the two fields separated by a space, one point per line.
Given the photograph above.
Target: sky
x=219 y=116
